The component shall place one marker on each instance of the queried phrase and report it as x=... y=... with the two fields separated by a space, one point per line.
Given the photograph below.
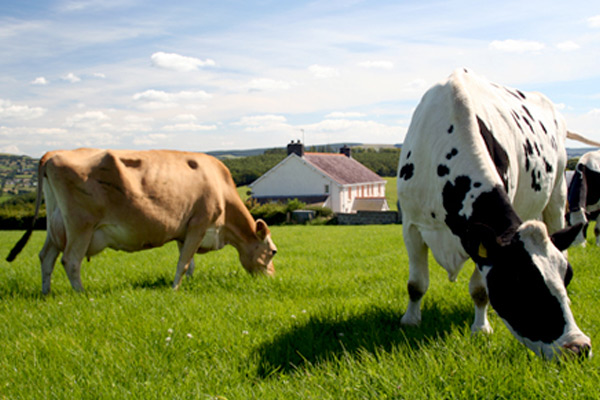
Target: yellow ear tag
x=482 y=251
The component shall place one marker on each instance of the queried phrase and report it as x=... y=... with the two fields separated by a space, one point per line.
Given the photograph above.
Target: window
x=327 y=189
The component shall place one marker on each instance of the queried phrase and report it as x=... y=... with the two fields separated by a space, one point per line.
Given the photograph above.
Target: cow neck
x=240 y=227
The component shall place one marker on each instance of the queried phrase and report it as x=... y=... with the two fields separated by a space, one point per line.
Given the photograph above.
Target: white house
x=331 y=180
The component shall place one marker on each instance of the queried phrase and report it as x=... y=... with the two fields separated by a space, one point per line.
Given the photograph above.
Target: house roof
x=342 y=169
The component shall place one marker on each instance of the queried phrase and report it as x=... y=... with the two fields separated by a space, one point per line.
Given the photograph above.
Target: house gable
x=292 y=176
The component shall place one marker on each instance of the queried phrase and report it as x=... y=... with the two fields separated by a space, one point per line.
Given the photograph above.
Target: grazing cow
x=135 y=200
x=478 y=160
x=584 y=195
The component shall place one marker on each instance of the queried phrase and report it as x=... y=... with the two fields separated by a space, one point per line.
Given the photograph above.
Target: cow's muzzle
x=579 y=348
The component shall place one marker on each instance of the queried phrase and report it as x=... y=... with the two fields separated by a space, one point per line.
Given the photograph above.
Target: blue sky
x=216 y=75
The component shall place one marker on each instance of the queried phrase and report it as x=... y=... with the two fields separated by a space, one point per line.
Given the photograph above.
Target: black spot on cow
x=516 y=118
x=131 y=162
x=451 y=129
x=496 y=151
x=512 y=93
x=528 y=113
x=537 y=149
x=442 y=170
x=592 y=183
x=433 y=215
x=528 y=147
x=452 y=154
x=549 y=167
x=406 y=172
x=453 y=196
x=477 y=184
x=192 y=164
x=408 y=154
x=543 y=128
x=528 y=124
x=522 y=95
x=520 y=306
x=536 y=177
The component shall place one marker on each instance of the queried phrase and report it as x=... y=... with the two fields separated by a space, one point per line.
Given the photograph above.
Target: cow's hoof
x=410 y=320
x=485 y=329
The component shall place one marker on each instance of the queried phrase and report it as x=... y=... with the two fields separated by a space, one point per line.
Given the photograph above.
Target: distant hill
x=18 y=174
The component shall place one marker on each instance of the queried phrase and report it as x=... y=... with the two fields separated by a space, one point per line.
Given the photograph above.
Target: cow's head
x=526 y=277
x=257 y=256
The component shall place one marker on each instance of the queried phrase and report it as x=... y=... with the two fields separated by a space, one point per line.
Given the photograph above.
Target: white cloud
x=10 y=149
x=156 y=99
x=264 y=84
x=176 y=62
x=40 y=80
x=338 y=114
x=594 y=22
x=71 y=77
x=165 y=97
x=331 y=130
x=86 y=119
x=185 y=118
x=377 y=64
x=257 y=120
x=13 y=111
x=322 y=72
x=99 y=75
x=517 y=46
x=189 y=127
x=567 y=46
x=264 y=123
x=150 y=140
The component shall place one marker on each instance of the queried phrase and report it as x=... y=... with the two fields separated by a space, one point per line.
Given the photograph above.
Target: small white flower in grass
x=244 y=332
x=341 y=334
x=60 y=303
x=189 y=335
x=168 y=340
x=170 y=330
x=303 y=311
x=293 y=316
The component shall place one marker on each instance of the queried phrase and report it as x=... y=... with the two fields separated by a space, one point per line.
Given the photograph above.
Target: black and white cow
x=478 y=160
x=584 y=195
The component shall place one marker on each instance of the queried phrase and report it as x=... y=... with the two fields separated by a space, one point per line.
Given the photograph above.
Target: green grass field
x=326 y=327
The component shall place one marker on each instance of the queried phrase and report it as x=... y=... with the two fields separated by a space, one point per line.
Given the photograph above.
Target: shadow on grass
x=326 y=337
x=152 y=282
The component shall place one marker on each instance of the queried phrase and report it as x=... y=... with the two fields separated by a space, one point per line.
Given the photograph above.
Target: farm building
x=330 y=180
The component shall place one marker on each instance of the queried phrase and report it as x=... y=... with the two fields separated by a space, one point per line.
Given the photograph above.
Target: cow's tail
x=582 y=139
x=38 y=201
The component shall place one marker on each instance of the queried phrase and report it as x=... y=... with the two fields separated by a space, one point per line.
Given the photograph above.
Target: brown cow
x=135 y=200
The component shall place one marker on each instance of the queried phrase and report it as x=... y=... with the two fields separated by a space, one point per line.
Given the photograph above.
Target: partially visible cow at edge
x=584 y=195
x=135 y=200
x=481 y=164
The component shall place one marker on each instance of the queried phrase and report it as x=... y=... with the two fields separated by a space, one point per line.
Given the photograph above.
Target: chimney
x=296 y=148
x=345 y=150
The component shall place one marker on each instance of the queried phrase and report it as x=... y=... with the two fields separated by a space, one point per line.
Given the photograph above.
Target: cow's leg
x=554 y=213
x=597 y=230
x=481 y=300
x=75 y=250
x=418 y=276
x=192 y=266
x=48 y=256
x=186 y=254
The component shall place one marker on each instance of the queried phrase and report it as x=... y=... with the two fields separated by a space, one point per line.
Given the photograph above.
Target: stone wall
x=369 y=218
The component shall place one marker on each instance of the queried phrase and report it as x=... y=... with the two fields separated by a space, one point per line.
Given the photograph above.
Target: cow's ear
x=482 y=244
x=565 y=237
x=262 y=230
